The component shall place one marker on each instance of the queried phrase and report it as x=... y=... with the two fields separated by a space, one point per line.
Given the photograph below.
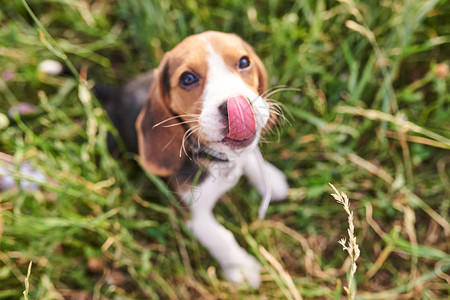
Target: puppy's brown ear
x=159 y=143
x=262 y=90
x=262 y=75
x=260 y=69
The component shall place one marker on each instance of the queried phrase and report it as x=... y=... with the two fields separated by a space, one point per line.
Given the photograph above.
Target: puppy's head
x=206 y=94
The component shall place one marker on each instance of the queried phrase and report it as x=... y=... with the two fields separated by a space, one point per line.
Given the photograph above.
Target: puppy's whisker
x=176 y=117
x=283 y=89
x=277 y=112
x=186 y=136
x=271 y=89
x=274 y=102
x=275 y=106
x=180 y=123
x=183 y=148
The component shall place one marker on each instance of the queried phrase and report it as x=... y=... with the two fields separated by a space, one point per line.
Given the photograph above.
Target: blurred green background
x=371 y=115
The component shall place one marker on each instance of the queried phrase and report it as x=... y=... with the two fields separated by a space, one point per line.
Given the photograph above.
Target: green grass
x=372 y=116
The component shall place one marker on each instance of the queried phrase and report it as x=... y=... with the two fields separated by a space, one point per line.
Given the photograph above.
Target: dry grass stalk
x=27 y=282
x=282 y=272
x=351 y=247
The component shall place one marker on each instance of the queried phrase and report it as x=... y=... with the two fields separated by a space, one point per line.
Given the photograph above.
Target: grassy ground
x=372 y=116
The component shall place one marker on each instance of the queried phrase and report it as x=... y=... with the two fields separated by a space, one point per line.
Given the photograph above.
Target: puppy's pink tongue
x=241 y=120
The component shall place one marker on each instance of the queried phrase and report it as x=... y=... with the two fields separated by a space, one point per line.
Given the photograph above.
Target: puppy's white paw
x=244 y=269
x=278 y=181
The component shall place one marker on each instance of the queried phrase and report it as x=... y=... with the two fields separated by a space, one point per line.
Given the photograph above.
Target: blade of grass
x=283 y=274
x=378 y=115
x=49 y=42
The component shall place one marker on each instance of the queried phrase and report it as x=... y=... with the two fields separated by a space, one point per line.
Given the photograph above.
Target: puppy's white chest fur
x=237 y=264
x=229 y=172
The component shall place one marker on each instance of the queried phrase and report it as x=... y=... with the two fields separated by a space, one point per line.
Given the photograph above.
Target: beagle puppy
x=203 y=112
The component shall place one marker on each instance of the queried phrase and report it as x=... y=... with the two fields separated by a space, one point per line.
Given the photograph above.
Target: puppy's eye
x=187 y=79
x=244 y=62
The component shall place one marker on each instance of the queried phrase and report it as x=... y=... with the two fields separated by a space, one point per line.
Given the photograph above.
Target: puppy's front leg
x=253 y=169
x=237 y=264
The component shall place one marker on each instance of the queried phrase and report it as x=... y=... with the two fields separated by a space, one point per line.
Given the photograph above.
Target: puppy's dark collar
x=202 y=151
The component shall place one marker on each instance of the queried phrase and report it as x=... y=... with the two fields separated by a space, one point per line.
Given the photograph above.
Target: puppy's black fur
x=123 y=106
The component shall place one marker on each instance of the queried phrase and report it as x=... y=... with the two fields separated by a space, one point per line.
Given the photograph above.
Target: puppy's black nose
x=223 y=108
